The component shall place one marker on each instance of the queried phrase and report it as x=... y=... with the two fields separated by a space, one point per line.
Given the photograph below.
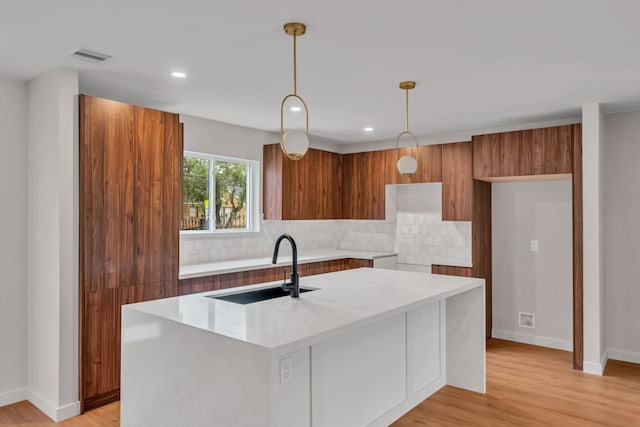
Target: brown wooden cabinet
x=130 y=204
x=363 y=178
x=429 y=165
x=545 y=151
x=457 y=182
x=308 y=189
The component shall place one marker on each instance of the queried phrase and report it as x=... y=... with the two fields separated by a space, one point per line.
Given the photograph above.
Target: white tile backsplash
x=417 y=238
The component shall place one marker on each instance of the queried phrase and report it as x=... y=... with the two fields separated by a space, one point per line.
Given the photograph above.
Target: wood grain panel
x=481 y=244
x=172 y=196
x=272 y=181
x=526 y=152
x=149 y=144
x=429 y=159
x=360 y=263
x=107 y=198
x=457 y=182
x=363 y=185
x=305 y=189
x=451 y=270
x=101 y=342
x=578 y=261
x=511 y=151
x=552 y=150
x=482 y=156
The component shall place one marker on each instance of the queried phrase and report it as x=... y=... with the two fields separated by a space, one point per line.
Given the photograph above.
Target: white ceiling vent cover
x=90 y=56
x=526 y=320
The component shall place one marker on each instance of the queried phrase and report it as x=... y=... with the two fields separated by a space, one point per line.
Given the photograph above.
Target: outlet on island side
x=286 y=370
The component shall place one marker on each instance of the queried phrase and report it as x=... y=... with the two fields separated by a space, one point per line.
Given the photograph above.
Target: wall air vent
x=526 y=320
x=90 y=56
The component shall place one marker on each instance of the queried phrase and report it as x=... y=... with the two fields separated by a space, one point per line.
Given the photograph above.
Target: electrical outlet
x=286 y=370
x=534 y=246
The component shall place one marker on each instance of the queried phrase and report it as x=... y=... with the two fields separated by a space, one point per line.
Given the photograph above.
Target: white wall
x=533 y=282
x=13 y=244
x=52 y=268
x=593 y=140
x=622 y=236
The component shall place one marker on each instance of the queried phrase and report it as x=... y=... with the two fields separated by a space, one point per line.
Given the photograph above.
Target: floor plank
x=526 y=386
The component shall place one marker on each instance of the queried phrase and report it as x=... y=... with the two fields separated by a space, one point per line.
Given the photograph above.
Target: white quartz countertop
x=232 y=266
x=343 y=301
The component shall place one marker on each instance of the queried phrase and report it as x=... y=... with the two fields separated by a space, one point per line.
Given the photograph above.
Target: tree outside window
x=219 y=183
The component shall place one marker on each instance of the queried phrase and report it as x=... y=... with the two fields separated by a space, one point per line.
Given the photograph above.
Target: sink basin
x=249 y=297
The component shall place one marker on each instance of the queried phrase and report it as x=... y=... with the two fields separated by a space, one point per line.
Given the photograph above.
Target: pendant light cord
x=295 y=85
x=407 y=109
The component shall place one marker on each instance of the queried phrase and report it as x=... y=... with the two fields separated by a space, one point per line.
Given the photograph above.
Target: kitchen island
x=363 y=348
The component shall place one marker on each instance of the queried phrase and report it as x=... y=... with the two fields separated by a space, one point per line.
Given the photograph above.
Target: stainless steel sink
x=249 y=297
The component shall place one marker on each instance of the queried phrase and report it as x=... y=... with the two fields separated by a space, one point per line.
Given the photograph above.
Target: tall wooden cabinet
x=130 y=207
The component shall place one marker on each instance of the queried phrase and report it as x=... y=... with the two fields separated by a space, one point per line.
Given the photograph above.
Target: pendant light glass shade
x=407 y=165
x=294 y=142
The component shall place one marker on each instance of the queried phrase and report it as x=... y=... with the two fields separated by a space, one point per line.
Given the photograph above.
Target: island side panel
x=178 y=375
x=465 y=340
x=357 y=377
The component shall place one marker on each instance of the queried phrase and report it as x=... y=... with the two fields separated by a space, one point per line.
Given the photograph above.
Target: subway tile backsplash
x=417 y=238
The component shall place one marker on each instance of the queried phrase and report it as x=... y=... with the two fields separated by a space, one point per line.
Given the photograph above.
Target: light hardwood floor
x=526 y=386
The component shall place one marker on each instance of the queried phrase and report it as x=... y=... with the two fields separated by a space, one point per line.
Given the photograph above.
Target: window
x=218 y=194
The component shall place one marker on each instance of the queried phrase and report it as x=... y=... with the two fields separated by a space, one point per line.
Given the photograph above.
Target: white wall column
x=13 y=245
x=52 y=240
x=593 y=128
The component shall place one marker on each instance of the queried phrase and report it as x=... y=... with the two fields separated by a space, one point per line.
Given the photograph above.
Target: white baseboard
x=13 y=396
x=556 y=343
x=57 y=414
x=596 y=368
x=624 y=356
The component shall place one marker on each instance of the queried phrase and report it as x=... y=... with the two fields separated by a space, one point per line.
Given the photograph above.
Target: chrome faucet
x=294 y=284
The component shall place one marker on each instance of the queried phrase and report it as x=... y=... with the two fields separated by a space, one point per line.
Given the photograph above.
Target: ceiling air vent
x=90 y=56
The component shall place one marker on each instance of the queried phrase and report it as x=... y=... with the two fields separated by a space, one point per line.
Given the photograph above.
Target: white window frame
x=253 y=195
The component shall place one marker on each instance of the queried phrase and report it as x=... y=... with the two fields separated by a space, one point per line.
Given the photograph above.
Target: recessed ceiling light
x=178 y=74
x=296 y=109
x=368 y=129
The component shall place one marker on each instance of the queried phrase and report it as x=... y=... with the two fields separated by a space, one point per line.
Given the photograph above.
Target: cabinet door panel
x=149 y=197
x=482 y=160
x=552 y=150
x=457 y=182
x=363 y=185
x=106 y=170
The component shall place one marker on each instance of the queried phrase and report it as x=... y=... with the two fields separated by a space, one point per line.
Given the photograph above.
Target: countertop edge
x=219 y=267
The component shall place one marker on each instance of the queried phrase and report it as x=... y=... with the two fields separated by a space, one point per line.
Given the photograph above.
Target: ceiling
x=478 y=64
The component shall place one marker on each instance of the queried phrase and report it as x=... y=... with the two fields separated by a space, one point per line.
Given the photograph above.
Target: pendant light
x=407 y=165
x=294 y=143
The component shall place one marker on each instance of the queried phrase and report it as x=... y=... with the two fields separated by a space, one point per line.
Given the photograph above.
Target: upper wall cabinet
x=457 y=182
x=429 y=165
x=363 y=176
x=309 y=188
x=545 y=151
